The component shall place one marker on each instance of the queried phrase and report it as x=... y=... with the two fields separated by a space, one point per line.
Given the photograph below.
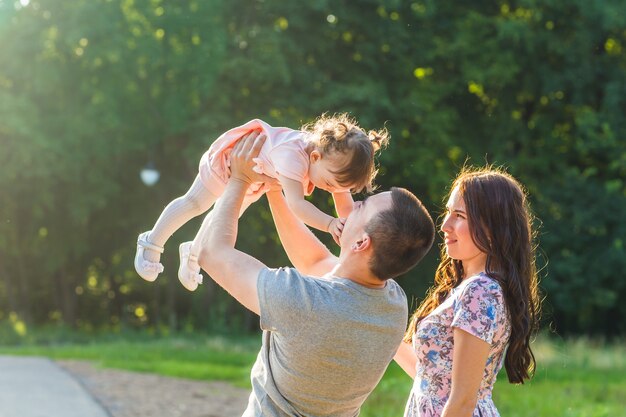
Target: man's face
x=360 y=216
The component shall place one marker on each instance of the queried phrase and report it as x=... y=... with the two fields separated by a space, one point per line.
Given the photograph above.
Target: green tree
x=93 y=90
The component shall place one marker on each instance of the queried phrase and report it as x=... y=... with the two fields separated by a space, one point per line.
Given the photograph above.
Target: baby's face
x=321 y=174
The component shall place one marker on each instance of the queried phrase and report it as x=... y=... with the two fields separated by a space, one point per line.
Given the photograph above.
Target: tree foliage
x=91 y=91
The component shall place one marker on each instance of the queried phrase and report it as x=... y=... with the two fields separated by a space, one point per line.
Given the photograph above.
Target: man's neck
x=361 y=276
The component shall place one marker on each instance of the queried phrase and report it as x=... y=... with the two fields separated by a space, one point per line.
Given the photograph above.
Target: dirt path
x=133 y=394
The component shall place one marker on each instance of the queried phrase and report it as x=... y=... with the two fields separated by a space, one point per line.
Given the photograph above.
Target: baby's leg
x=197 y=241
x=195 y=202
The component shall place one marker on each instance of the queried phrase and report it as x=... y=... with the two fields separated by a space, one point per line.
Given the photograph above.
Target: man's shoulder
x=397 y=296
x=286 y=279
x=283 y=271
x=392 y=285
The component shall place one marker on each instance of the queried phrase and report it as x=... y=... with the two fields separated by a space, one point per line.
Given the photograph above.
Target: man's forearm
x=303 y=248
x=231 y=269
x=222 y=232
x=235 y=271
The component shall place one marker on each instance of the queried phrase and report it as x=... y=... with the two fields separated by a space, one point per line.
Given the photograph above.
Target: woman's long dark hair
x=500 y=223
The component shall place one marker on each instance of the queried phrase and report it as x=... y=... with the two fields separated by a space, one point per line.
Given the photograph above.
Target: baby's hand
x=335 y=228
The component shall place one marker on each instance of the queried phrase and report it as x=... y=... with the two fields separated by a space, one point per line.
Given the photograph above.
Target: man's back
x=326 y=343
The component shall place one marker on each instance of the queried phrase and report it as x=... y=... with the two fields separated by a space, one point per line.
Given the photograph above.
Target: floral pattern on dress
x=476 y=306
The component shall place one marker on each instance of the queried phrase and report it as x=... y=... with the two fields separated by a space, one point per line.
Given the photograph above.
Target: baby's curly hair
x=341 y=134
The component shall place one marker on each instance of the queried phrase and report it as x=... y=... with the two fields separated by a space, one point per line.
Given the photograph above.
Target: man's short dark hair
x=401 y=235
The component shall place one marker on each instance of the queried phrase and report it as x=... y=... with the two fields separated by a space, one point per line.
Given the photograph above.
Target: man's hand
x=242 y=160
x=335 y=228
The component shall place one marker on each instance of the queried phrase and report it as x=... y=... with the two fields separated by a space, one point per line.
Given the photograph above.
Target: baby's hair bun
x=339 y=134
x=379 y=139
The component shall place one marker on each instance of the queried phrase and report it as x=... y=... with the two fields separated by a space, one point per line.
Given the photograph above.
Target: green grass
x=574 y=379
x=202 y=358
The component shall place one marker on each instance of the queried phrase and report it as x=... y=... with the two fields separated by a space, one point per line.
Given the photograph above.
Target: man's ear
x=315 y=156
x=363 y=244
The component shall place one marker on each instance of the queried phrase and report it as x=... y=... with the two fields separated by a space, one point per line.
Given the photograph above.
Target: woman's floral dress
x=476 y=306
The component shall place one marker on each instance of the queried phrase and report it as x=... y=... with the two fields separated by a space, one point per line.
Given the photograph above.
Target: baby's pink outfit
x=283 y=153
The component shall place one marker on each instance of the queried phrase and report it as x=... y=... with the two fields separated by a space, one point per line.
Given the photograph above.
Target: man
x=332 y=325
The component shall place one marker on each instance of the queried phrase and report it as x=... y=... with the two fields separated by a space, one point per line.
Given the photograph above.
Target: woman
x=484 y=302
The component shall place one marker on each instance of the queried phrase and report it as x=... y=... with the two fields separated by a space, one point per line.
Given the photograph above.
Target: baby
x=333 y=154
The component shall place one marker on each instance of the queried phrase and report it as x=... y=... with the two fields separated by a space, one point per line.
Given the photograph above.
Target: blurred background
x=93 y=92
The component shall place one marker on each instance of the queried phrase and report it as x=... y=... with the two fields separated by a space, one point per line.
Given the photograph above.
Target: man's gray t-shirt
x=326 y=343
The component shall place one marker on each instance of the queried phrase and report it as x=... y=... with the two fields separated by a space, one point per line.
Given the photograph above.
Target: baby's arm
x=343 y=203
x=306 y=211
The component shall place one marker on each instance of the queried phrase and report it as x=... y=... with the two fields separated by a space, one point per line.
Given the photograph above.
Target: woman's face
x=457 y=237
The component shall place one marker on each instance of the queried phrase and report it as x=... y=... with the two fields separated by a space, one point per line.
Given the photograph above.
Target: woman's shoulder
x=481 y=284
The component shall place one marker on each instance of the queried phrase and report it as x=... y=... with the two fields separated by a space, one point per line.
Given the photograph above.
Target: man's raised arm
x=231 y=269
x=307 y=254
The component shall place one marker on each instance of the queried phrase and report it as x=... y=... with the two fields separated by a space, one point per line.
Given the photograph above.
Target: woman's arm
x=343 y=203
x=468 y=367
x=406 y=358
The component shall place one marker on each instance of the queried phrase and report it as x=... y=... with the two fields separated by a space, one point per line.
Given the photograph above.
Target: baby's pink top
x=283 y=153
x=476 y=306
